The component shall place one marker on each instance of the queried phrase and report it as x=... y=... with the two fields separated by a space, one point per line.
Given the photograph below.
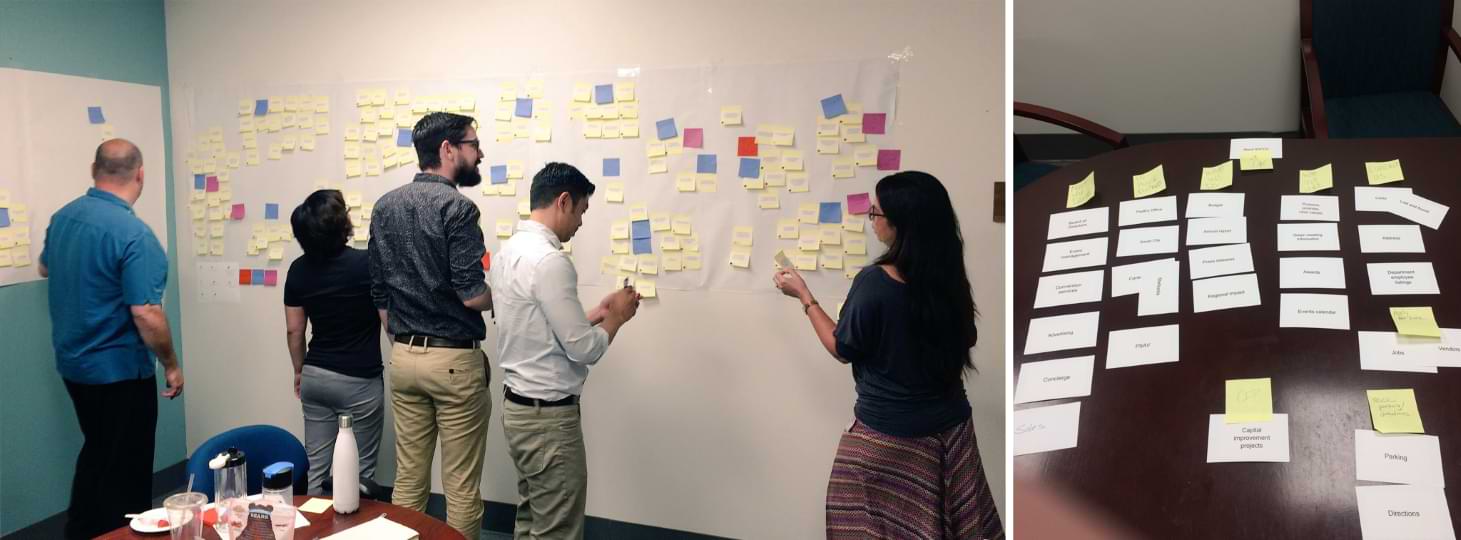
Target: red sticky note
x=875 y=123
x=487 y=261
x=238 y=212
x=212 y=185
x=271 y=278
x=858 y=203
x=889 y=160
x=746 y=147
x=694 y=138
x=244 y=276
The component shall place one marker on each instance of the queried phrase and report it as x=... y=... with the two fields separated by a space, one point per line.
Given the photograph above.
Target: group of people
x=908 y=466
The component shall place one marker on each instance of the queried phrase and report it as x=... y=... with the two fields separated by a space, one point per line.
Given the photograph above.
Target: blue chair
x=262 y=446
x=1027 y=171
x=1371 y=68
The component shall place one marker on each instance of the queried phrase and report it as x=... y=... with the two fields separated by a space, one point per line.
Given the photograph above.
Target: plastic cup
x=185 y=515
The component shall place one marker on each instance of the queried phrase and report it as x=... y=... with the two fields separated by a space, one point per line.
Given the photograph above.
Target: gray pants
x=326 y=395
x=546 y=445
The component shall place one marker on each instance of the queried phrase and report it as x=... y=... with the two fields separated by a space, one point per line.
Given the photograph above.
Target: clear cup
x=185 y=515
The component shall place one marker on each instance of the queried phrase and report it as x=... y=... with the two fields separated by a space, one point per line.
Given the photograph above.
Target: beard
x=467 y=175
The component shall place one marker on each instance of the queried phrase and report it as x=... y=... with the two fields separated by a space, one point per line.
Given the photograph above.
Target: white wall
x=714 y=412
x=1182 y=66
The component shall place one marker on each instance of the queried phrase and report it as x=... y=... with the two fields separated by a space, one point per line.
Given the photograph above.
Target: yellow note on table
x=1314 y=180
x=1383 y=172
x=1148 y=183
x=1258 y=159
x=1394 y=411
x=1249 y=400
x=1217 y=176
x=1081 y=192
x=1415 y=321
x=316 y=505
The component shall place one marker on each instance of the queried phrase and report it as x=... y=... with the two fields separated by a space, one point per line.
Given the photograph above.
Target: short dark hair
x=322 y=223
x=557 y=178
x=434 y=128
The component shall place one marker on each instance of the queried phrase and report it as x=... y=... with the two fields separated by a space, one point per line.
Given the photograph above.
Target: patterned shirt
x=426 y=252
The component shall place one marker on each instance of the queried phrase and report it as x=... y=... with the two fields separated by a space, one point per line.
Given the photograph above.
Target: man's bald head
x=117 y=160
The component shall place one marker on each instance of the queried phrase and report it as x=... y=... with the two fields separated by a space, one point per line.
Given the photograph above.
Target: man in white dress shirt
x=546 y=343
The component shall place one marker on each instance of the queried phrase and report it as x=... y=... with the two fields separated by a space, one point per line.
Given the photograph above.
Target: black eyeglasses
x=476 y=143
x=873 y=214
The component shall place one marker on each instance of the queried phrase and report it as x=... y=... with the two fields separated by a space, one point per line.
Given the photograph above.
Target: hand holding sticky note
x=1148 y=183
x=1258 y=159
x=1383 y=172
x=1415 y=321
x=1218 y=176
x=1394 y=411
x=1249 y=400
x=1081 y=192
x=1319 y=179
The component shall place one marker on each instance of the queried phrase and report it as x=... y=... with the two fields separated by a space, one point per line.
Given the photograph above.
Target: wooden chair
x=1027 y=171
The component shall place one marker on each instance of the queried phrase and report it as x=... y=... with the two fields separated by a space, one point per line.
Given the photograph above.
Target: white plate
x=146 y=522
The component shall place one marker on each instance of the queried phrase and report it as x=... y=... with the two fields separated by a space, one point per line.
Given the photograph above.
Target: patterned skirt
x=910 y=487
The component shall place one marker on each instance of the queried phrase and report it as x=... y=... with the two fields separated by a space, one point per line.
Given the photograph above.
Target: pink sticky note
x=875 y=123
x=694 y=138
x=212 y=184
x=271 y=278
x=889 y=160
x=238 y=209
x=858 y=203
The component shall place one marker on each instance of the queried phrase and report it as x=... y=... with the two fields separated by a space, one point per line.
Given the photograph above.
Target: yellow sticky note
x=1383 y=172
x=1313 y=180
x=1249 y=400
x=645 y=288
x=316 y=505
x=768 y=201
x=276 y=253
x=615 y=192
x=740 y=257
x=1081 y=192
x=1148 y=183
x=730 y=115
x=742 y=236
x=1217 y=176
x=1394 y=411
x=1415 y=321
x=1258 y=159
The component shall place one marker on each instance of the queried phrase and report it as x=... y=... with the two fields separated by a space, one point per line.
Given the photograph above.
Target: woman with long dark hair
x=908 y=467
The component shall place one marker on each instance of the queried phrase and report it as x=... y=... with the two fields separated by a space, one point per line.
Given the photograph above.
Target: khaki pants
x=441 y=391
x=546 y=444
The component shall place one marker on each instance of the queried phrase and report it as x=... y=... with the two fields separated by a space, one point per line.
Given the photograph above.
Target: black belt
x=436 y=342
x=531 y=402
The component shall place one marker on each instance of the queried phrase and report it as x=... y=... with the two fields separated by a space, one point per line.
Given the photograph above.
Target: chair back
x=262 y=446
x=1368 y=47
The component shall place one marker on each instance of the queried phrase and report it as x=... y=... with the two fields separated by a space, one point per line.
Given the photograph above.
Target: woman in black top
x=908 y=467
x=339 y=371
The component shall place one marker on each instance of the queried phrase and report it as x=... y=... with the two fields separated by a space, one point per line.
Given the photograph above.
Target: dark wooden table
x=1142 y=450
x=329 y=523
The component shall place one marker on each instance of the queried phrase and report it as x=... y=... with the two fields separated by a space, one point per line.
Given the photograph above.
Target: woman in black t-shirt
x=909 y=465
x=339 y=371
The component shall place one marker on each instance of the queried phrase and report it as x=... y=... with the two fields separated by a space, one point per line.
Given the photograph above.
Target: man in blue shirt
x=107 y=272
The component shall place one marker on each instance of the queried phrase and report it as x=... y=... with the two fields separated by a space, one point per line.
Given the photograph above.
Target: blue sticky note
x=4 y=217
x=271 y=210
x=524 y=108
x=257 y=278
x=499 y=174
x=666 y=129
x=199 y=181
x=604 y=93
x=831 y=213
x=94 y=113
x=403 y=137
x=261 y=107
x=639 y=229
x=642 y=246
x=750 y=167
x=705 y=163
x=833 y=107
x=611 y=166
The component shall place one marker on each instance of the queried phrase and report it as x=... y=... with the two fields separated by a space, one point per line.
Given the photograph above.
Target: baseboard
x=164 y=482
x=1074 y=146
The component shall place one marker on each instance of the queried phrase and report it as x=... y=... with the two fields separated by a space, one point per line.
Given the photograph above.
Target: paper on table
x=1394 y=411
x=1148 y=183
x=1313 y=180
x=1415 y=321
x=1237 y=146
x=1445 y=352
x=1248 y=442
x=1042 y=429
x=1072 y=288
x=1376 y=199
x=1160 y=290
x=1383 y=172
x=1152 y=210
x=1055 y=379
x=1402 y=278
x=1131 y=278
x=376 y=529
x=1225 y=293
x=1256 y=160
x=1296 y=310
x=1219 y=261
x=1419 y=209
x=1142 y=346
x=1311 y=273
x=1217 y=230
x=1200 y=205
x=1382 y=351
x=1075 y=254
x=1398 y=459
x=1403 y=513
x=1391 y=239
x=1309 y=208
x=1217 y=177
x=1147 y=241
x=1061 y=332
x=1078 y=223
x=1248 y=400
x=1308 y=237
x=1081 y=192
x=315 y=505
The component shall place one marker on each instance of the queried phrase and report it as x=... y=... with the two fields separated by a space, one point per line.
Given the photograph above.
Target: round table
x=328 y=523
x=1142 y=447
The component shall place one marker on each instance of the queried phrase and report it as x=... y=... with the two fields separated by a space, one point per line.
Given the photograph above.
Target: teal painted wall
x=121 y=40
